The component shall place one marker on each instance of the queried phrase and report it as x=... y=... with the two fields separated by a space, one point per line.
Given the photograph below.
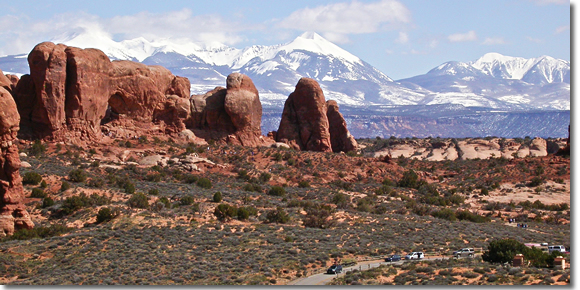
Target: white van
x=415 y=256
x=558 y=248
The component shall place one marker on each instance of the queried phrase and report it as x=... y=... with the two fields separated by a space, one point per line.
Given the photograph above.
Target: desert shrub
x=38 y=193
x=318 y=217
x=277 y=156
x=43 y=184
x=39 y=232
x=243 y=213
x=410 y=179
x=303 y=184
x=384 y=190
x=504 y=250
x=252 y=187
x=265 y=177
x=217 y=197
x=47 y=202
x=189 y=178
x=31 y=178
x=64 y=186
x=243 y=174
x=76 y=202
x=105 y=214
x=37 y=148
x=138 y=200
x=472 y=217
x=77 y=175
x=279 y=215
x=389 y=182
x=445 y=213
x=536 y=181
x=341 y=200
x=204 y=183
x=277 y=191
x=225 y=212
x=129 y=188
x=153 y=191
x=96 y=182
x=186 y=200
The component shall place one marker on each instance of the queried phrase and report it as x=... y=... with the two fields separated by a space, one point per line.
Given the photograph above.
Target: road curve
x=323 y=278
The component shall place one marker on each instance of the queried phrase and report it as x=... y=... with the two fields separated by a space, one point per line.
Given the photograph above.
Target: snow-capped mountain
x=493 y=81
x=499 y=81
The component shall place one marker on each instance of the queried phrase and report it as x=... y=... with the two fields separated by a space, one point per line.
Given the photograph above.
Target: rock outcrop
x=232 y=114
x=5 y=82
x=340 y=138
x=304 y=124
x=71 y=90
x=13 y=214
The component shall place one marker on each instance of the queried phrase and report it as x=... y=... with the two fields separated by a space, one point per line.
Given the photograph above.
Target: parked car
x=415 y=256
x=465 y=252
x=558 y=248
x=393 y=258
x=334 y=269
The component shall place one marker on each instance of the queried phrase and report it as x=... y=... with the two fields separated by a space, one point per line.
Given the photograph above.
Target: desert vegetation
x=272 y=215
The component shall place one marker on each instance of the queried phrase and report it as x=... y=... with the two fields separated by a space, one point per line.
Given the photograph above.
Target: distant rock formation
x=304 y=124
x=232 y=114
x=71 y=90
x=566 y=150
x=340 y=137
x=13 y=214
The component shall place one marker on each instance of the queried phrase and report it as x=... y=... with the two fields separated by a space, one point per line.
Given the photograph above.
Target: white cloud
x=24 y=33
x=493 y=41
x=403 y=38
x=341 y=19
x=462 y=37
x=534 y=40
x=562 y=29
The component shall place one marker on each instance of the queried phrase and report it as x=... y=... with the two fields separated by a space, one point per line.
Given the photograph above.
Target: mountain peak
x=310 y=35
x=313 y=42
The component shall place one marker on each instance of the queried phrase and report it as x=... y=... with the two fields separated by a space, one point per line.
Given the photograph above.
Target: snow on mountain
x=493 y=81
x=502 y=82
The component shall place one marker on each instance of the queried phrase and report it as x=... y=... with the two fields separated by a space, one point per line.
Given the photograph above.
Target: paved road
x=323 y=278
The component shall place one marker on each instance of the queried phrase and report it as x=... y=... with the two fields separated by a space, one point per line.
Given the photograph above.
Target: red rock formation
x=340 y=137
x=13 y=80
x=242 y=104
x=566 y=150
x=73 y=89
x=5 y=82
x=13 y=214
x=232 y=114
x=304 y=124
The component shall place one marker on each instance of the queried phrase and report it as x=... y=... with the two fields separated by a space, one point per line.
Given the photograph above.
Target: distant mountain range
x=493 y=83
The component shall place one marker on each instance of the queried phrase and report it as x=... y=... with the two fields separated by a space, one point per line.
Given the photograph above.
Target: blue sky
x=402 y=38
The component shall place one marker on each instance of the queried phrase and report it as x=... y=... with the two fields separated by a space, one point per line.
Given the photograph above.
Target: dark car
x=334 y=269
x=393 y=258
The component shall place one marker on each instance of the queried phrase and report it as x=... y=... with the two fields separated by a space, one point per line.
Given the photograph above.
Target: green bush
x=279 y=215
x=39 y=232
x=38 y=193
x=277 y=191
x=186 y=200
x=129 y=188
x=47 y=202
x=153 y=191
x=341 y=200
x=410 y=179
x=303 y=184
x=504 y=251
x=243 y=213
x=190 y=178
x=265 y=177
x=138 y=200
x=37 y=148
x=105 y=214
x=77 y=175
x=252 y=187
x=204 y=183
x=64 y=186
x=31 y=178
x=217 y=197
x=472 y=217
x=76 y=202
x=225 y=212
x=445 y=213
x=318 y=217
